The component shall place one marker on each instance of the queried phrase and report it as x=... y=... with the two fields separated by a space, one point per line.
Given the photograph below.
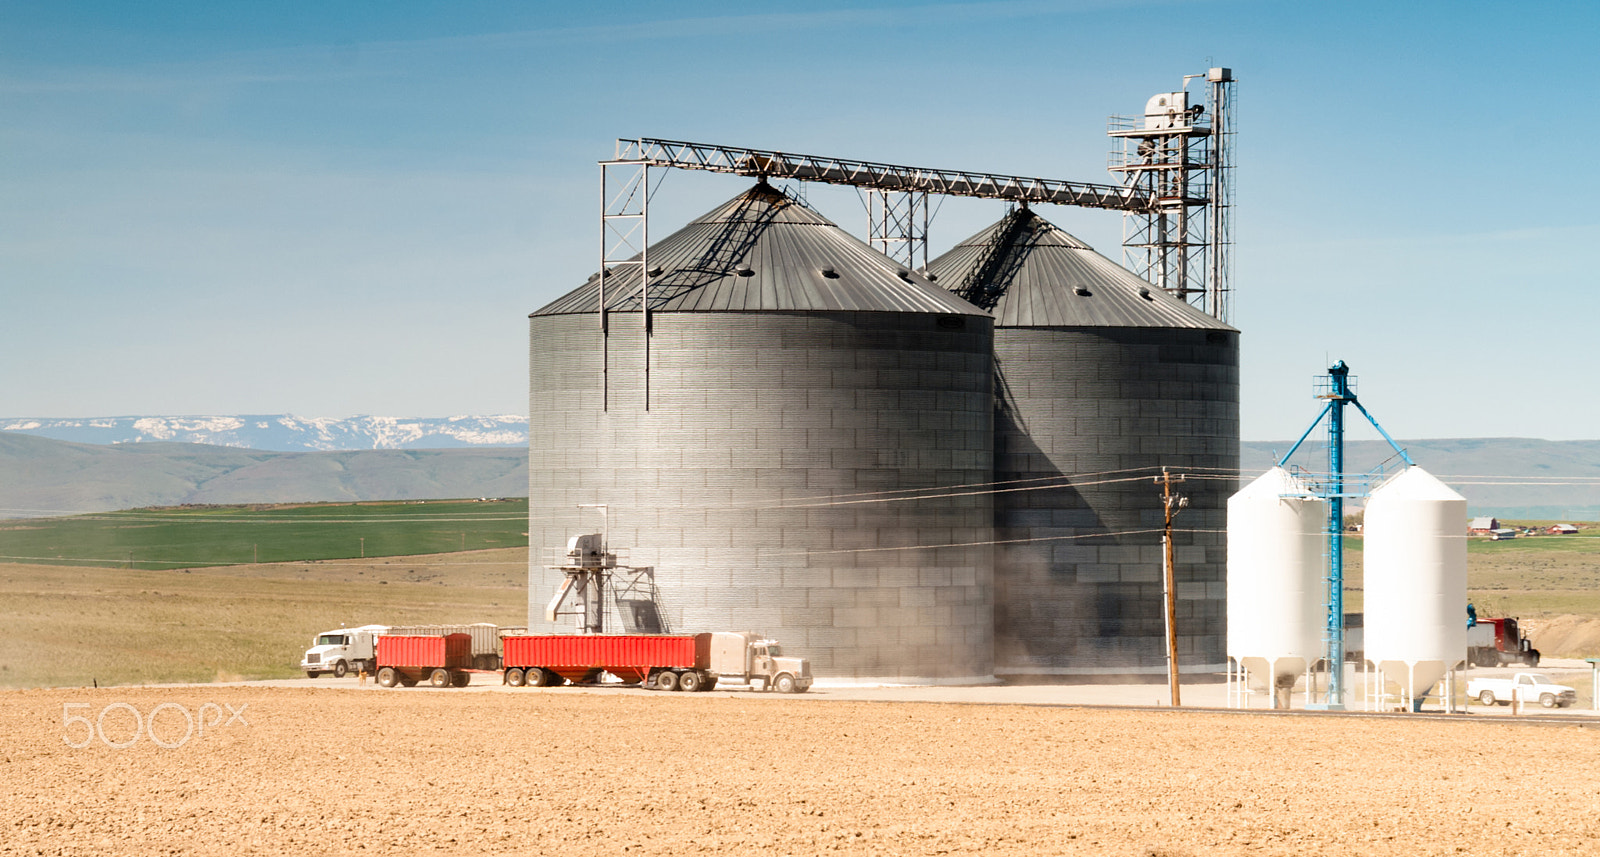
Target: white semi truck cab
x=343 y=650
x=747 y=657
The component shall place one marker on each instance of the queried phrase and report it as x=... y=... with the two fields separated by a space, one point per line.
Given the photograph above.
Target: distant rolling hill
x=1512 y=477
x=283 y=432
x=40 y=476
x=1509 y=477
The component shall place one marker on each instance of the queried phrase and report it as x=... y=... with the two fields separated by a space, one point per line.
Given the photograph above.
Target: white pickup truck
x=1528 y=687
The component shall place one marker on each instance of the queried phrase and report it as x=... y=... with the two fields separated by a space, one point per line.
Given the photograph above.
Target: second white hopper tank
x=1415 y=579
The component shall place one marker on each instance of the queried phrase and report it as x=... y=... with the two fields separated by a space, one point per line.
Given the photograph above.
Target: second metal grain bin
x=787 y=439
x=1102 y=380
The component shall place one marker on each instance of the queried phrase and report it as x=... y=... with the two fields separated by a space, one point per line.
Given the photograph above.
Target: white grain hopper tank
x=1277 y=566
x=1415 y=559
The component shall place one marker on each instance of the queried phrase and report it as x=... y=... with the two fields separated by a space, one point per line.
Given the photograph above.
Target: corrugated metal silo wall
x=1098 y=404
x=751 y=412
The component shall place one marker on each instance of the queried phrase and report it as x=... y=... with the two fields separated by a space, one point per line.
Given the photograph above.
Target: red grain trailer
x=551 y=660
x=442 y=660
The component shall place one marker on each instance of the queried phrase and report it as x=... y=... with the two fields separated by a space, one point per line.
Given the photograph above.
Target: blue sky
x=339 y=209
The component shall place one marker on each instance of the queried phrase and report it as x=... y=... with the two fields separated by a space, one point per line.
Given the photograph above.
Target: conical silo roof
x=1030 y=273
x=764 y=251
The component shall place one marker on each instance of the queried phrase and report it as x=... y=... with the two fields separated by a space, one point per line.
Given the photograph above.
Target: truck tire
x=785 y=683
x=1533 y=658
x=690 y=682
x=1486 y=697
x=1548 y=700
x=387 y=677
x=440 y=677
x=514 y=677
x=711 y=683
x=341 y=669
x=666 y=680
x=312 y=674
x=460 y=679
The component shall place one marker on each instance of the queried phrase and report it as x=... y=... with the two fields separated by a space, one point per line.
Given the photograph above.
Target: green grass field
x=1529 y=577
x=158 y=539
x=172 y=596
x=206 y=594
x=73 y=626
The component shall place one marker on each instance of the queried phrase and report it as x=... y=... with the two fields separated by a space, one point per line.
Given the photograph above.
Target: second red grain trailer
x=442 y=660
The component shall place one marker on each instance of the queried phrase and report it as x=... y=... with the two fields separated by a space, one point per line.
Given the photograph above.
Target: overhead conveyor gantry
x=898 y=207
x=878 y=176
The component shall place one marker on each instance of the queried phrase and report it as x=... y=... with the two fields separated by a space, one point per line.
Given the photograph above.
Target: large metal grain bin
x=791 y=446
x=1102 y=380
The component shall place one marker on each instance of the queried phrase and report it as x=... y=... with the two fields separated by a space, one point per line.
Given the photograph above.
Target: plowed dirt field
x=607 y=772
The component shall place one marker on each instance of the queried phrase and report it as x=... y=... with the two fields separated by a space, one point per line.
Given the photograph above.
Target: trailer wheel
x=340 y=669
x=387 y=677
x=1486 y=697
x=690 y=682
x=536 y=677
x=514 y=677
x=666 y=680
x=785 y=683
x=460 y=679
x=440 y=677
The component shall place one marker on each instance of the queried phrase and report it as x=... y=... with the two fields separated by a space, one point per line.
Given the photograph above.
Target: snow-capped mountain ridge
x=285 y=432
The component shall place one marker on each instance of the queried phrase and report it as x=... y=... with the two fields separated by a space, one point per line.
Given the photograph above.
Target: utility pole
x=1172 y=503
